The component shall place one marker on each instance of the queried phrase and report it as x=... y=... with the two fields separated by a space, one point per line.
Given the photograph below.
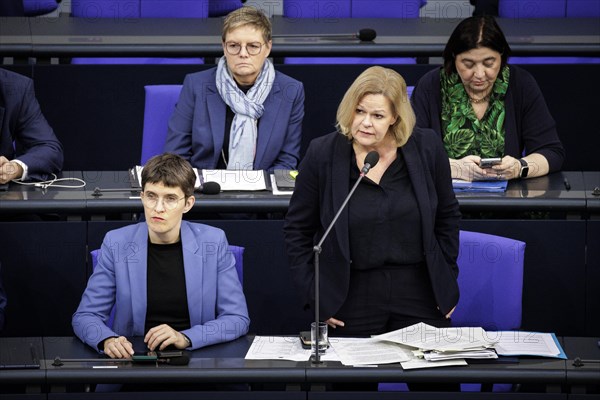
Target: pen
x=567 y=184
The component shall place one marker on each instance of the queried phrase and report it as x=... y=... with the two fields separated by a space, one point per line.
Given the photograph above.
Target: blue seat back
x=218 y=8
x=532 y=8
x=332 y=10
x=386 y=8
x=490 y=280
x=583 y=8
x=159 y=105
x=173 y=9
x=117 y=9
x=133 y=9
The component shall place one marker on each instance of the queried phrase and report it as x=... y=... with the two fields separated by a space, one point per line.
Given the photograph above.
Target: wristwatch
x=524 y=168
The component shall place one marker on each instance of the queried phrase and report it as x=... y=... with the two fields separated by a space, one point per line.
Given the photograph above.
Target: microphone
x=210 y=188
x=98 y=191
x=364 y=35
x=371 y=160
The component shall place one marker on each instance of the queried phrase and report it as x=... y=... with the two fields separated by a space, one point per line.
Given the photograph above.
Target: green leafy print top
x=463 y=133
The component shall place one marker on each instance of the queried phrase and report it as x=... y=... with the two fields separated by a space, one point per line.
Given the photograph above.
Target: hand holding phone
x=489 y=162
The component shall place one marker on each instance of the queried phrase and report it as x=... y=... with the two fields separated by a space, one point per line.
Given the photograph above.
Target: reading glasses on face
x=234 y=48
x=151 y=201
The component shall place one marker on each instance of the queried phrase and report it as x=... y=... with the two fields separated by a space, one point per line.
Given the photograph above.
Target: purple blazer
x=197 y=126
x=24 y=132
x=217 y=306
x=529 y=127
x=322 y=185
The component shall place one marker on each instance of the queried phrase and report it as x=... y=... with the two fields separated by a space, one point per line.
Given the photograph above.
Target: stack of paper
x=520 y=343
x=417 y=346
x=442 y=344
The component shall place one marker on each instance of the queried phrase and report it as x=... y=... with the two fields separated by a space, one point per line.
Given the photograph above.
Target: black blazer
x=321 y=187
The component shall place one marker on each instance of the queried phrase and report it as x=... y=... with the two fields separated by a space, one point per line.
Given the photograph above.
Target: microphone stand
x=317 y=250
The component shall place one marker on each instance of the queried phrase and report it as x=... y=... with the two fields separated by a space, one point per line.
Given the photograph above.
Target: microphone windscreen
x=211 y=188
x=372 y=158
x=366 y=35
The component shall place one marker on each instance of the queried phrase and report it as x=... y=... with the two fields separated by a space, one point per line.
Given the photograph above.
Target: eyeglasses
x=150 y=200
x=234 y=48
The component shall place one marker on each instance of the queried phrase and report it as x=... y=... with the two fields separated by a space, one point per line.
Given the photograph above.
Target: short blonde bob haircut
x=390 y=84
x=244 y=16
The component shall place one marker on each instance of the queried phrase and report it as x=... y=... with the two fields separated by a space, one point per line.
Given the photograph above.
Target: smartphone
x=148 y=357
x=488 y=162
x=169 y=353
x=305 y=339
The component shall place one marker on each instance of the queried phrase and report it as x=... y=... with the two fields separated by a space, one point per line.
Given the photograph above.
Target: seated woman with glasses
x=172 y=282
x=241 y=114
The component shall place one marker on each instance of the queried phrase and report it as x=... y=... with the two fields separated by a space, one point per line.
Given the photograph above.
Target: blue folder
x=460 y=186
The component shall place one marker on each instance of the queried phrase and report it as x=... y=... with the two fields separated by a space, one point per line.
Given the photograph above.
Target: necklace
x=481 y=100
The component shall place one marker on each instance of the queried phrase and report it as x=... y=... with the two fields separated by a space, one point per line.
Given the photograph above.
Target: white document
x=229 y=179
x=516 y=343
x=277 y=348
x=427 y=337
x=454 y=355
x=283 y=348
x=356 y=351
x=421 y=363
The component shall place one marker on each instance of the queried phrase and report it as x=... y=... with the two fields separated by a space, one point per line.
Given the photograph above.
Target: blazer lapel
x=135 y=255
x=216 y=115
x=340 y=184
x=193 y=267
x=416 y=171
x=267 y=123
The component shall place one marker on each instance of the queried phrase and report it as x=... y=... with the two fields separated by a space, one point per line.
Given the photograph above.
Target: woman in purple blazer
x=242 y=114
x=171 y=281
x=484 y=108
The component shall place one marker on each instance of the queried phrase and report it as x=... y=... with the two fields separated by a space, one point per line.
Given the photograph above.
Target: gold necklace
x=477 y=101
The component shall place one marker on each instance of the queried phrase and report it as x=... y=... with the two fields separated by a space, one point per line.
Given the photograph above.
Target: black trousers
x=386 y=299
x=383 y=300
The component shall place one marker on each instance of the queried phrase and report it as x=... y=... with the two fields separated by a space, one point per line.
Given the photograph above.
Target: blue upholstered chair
x=583 y=8
x=336 y=9
x=490 y=280
x=133 y=9
x=491 y=289
x=238 y=255
x=526 y=9
x=34 y=8
x=159 y=105
x=532 y=8
x=219 y=8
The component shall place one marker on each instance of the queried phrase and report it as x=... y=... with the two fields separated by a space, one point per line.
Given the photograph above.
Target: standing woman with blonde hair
x=390 y=260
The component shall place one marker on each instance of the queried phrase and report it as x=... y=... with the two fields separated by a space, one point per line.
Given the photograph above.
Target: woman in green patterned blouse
x=484 y=108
